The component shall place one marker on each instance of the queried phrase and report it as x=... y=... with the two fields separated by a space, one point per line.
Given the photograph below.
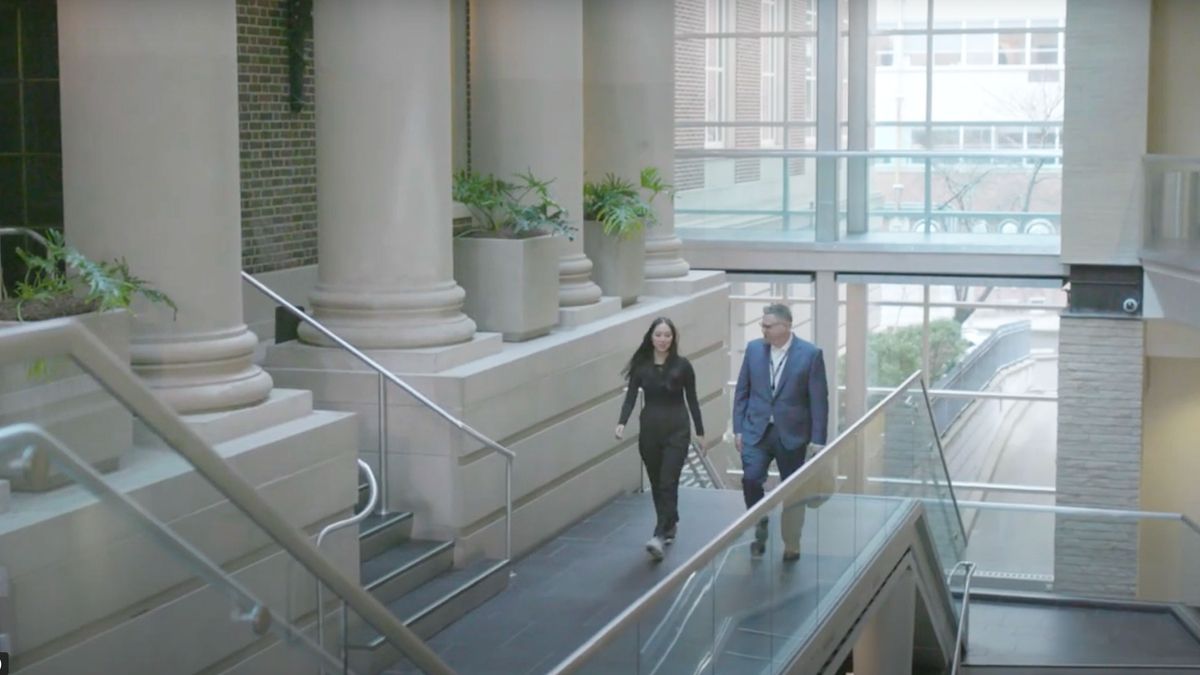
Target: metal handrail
x=252 y=610
x=385 y=374
x=714 y=476
x=58 y=337
x=373 y=495
x=722 y=541
x=959 y=648
x=703 y=153
x=937 y=439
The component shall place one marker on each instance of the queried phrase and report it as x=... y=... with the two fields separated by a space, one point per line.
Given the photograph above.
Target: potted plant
x=54 y=393
x=506 y=258
x=615 y=220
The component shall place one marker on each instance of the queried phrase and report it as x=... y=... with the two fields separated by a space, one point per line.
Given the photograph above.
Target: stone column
x=527 y=111
x=629 y=94
x=150 y=173
x=383 y=175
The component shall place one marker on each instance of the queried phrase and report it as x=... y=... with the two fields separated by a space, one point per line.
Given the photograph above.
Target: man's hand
x=737 y=442
x=620 y=432
x=814 y=448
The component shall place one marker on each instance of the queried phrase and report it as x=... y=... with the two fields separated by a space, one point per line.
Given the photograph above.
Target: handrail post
x=383 y=448
x=508 y=516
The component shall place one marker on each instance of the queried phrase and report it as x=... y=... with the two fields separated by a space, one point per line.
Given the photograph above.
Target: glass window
x=771 y=83
x=1044 y=46
x=1011 y=46
x=980 y=47
x=30 y=136
x=716 y=60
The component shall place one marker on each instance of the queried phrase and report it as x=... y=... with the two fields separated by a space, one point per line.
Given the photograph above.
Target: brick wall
x=1100 y=376
x=747 y=87
x=278 y=147
x=689 y=91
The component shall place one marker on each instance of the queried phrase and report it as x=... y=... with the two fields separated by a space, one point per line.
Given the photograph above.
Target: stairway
x=417 y=581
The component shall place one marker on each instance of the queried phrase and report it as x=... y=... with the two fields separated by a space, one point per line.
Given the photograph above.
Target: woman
x=666 y=377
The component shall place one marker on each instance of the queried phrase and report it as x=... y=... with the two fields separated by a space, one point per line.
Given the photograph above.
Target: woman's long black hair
x=644 y=355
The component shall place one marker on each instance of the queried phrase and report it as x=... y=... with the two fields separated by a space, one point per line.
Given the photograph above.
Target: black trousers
x=663 y=444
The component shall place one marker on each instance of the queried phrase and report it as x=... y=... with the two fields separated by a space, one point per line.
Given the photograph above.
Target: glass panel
x=1173 y=217
x=897 y=13
x=42 y=129
x=801 y=79
x=1046 y=549
x=44 y=195
x=39 y=40
x=743 y=197
x=10 y=117
x=11 y=207
x=8 y=41
x=802 y=15
x=1012 y=49
x=835 y=516
x=983 y=194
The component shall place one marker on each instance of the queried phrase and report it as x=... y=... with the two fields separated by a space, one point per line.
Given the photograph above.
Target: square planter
x=511 y=284
x=618 y=263
x=70 y=405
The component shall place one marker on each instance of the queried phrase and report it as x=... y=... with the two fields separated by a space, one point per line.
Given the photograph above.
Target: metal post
x=508 y=516
x=383 y=448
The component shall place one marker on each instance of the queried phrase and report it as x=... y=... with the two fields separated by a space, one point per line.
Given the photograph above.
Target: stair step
x=405 y=567
x=430 y=608
x=377 y=534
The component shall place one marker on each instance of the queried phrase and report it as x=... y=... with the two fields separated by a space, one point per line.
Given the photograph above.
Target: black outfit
x=664 y=438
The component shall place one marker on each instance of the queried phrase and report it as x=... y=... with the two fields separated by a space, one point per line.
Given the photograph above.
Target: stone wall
x=1099 y=452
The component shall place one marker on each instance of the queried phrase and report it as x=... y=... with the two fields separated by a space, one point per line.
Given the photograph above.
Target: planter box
x=618 y=264
x=511 y=284
x=70 y=404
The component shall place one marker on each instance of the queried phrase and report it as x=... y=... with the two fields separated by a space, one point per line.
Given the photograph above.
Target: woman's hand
x=620 y=432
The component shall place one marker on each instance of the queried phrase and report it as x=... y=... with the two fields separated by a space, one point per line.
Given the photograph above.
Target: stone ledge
x=297 y=355
x=574 y=317
x=695 y=281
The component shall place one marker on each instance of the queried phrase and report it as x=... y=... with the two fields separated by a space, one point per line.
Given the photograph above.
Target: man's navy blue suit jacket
x=800 y=404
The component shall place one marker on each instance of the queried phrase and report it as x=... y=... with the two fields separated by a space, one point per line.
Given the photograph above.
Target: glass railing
x=130 y=540
x=1002 y=198
x=1087 y=552
x=729 y=610
x=1171 y=234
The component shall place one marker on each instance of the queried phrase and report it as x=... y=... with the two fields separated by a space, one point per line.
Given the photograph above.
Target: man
x=780 y=407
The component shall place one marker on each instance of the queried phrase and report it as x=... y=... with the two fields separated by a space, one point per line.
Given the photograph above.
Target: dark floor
x=1009 y=633
x=568 y=589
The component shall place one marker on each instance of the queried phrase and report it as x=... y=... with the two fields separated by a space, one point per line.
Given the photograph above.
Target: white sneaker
x=655 y=548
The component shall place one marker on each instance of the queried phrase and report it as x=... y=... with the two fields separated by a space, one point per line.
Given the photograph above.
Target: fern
x=509 y=209
x=616 y=203
x=64 y=272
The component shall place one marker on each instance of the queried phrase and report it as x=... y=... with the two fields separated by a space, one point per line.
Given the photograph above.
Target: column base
x=575 y=286
x=200 y=373
x=662 y=258
x=367 y=319
x=281 y=406
x=573 y=317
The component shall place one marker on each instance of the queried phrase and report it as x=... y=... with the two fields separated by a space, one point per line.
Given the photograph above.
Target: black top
x=663 y=394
